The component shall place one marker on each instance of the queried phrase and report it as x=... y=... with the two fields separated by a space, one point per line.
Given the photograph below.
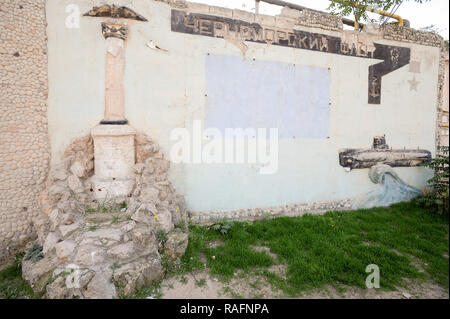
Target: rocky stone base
x=105 y=248
x=289 y=210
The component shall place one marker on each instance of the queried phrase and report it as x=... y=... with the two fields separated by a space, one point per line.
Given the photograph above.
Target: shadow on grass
x=12 y=286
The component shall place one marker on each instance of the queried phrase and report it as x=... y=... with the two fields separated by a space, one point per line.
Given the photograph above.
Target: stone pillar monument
x=114 y=139
x=115 y=36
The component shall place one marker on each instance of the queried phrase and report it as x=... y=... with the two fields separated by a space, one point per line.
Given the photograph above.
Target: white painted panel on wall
x=263 y=94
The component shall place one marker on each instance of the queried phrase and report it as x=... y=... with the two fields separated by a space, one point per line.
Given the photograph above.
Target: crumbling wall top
x=314 y=19
x=405 y=34
x=311 y=18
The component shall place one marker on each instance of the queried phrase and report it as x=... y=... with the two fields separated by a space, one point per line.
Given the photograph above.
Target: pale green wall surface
x=166 y=90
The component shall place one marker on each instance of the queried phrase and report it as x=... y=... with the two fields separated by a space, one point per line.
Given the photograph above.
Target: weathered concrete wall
x=443 y=114
x=24 y=143
x=165 y=89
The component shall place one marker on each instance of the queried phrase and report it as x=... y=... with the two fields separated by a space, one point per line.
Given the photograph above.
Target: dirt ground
x=201 y=285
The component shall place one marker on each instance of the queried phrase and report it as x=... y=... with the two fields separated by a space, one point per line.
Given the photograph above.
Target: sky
x=434 y=12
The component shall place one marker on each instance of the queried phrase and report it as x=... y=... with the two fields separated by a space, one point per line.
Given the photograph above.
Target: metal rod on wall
x=368 y=8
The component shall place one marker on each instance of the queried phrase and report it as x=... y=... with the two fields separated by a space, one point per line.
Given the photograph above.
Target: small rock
x=149 y=195
x=407 y=295
x=101 y=286
x=98 y=218
x=67 y=230
x=89 y=255
x=141 y=272
x=123 y=251
x=55 y=218
x=78 y=169
x=145 y=214
x=143 y=151
x=176 y=245
x=133 y=205
x=162 y=195
x=69 y=207
x=57 y=191
x=164 y=220
x=50 y=241
x=86 y=276
x=142 y=139
x=144 y=237
x=57 y=288
x=65 y=248
x=139 y=167
x=126 y=238
x=75 y=184
x=38 y=273
x=128 y=226
x=109 y=234
x=59 y=171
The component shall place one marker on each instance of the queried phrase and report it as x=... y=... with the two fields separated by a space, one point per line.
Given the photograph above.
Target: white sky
x=420 y=15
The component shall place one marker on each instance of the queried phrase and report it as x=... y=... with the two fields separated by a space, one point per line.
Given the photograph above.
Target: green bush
x=34 y=253
x=161 y=236
x=438 y=196
x=223 y=226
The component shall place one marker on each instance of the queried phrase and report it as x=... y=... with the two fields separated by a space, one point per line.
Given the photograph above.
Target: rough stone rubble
x=106 y=247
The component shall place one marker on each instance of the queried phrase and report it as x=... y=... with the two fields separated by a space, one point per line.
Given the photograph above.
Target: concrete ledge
x=198 y=7
x=112 y=130
x=243 y=15
x=222 y=12
x=289 y=210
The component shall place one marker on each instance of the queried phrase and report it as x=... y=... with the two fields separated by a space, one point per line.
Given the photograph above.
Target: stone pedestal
x=114 y=153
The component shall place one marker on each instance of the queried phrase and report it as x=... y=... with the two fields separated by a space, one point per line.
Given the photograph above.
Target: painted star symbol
x=413 y=84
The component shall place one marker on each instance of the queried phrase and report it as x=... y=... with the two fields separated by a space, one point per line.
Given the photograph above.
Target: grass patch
x=201 y=282
x=92 y=228
x=107 y=208
x=153 y=291
x=333 y=248
x=100 y=209
x=12 y=286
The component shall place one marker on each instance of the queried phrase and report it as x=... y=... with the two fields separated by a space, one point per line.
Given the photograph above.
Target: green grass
x=101 y=209
x=154 y=290
x=201 y=282
x=115 y=220
x=92 y=228
x=12 y=286
x=334 y=248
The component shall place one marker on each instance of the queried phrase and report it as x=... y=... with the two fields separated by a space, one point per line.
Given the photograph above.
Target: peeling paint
x=114 y=12
x=239 y=43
